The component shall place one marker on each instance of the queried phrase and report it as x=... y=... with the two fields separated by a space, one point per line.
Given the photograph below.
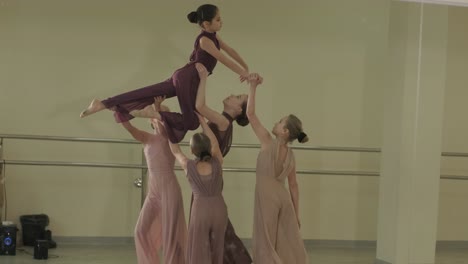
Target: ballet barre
x=131 y=141
x=226 y=169
x=454 y=154
x=138 y=166
x=71 y=139
x=251 y=146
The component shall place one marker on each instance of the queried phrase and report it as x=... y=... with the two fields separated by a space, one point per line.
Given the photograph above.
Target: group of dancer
x=211 y=237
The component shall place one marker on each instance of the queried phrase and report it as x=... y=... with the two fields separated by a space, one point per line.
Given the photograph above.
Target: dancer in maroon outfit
x=183 y=83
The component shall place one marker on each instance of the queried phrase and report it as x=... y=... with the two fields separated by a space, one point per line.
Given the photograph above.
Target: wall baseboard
x=324 y=243
x=449 y=244
x=309 y=243
x=378 y=261
x=78 y=240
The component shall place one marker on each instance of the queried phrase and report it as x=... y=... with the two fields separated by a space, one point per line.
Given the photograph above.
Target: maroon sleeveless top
x=224 y=137
x=201 y=56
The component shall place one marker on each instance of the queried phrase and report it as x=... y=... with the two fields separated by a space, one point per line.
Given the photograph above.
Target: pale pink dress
x=208 y=219
x=276 y=236
x=161 y=224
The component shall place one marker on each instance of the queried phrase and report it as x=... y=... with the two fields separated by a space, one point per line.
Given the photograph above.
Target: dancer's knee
x=193 y=125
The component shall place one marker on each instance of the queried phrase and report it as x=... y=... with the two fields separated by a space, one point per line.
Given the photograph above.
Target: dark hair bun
x=193 y=17
x=205 y=156
x=242 y=120
x=302 y=138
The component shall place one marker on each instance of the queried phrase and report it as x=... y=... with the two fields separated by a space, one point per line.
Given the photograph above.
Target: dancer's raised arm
x=200 y=103
x=136 y=133
x=260 y=131
x=215 y=151
x=179 y=155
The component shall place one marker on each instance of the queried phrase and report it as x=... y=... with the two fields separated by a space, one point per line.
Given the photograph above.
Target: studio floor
x=125 y=254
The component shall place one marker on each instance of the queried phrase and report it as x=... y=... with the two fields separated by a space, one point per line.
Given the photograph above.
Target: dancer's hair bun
x=193 y=17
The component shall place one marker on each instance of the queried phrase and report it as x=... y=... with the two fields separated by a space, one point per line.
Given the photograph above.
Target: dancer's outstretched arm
x=208 y=45
x=179 y=155
x=215 y=151
x=260 y=131
x=232 y=53
x=200 y=102
x=136 y=133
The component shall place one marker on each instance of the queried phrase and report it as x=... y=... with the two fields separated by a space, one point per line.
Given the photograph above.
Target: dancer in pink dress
x=276 y=236
x=208 y=219
x=235 y=107
x=183 y=83
x=161 y=224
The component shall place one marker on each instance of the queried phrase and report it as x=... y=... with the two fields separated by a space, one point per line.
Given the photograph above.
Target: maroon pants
x=183 y=84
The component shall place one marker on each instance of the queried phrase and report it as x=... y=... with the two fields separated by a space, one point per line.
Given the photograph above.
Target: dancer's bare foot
x=147 y=112
x=164 y=108
x=150 y=111
x=94 y=107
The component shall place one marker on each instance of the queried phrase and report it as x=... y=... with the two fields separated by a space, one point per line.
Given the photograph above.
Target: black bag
x=33 y=227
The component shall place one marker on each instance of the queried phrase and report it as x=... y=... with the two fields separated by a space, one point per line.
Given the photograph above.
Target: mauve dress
x=183 y=84
x=208 y=218
x=276 y=236
x=234 y=250
x=161 y=224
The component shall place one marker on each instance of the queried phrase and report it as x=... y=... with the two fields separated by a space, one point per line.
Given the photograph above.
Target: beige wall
x=322 y=61
x=453 y=215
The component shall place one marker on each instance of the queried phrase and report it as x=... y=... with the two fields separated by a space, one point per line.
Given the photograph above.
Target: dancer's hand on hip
x=202 y=71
